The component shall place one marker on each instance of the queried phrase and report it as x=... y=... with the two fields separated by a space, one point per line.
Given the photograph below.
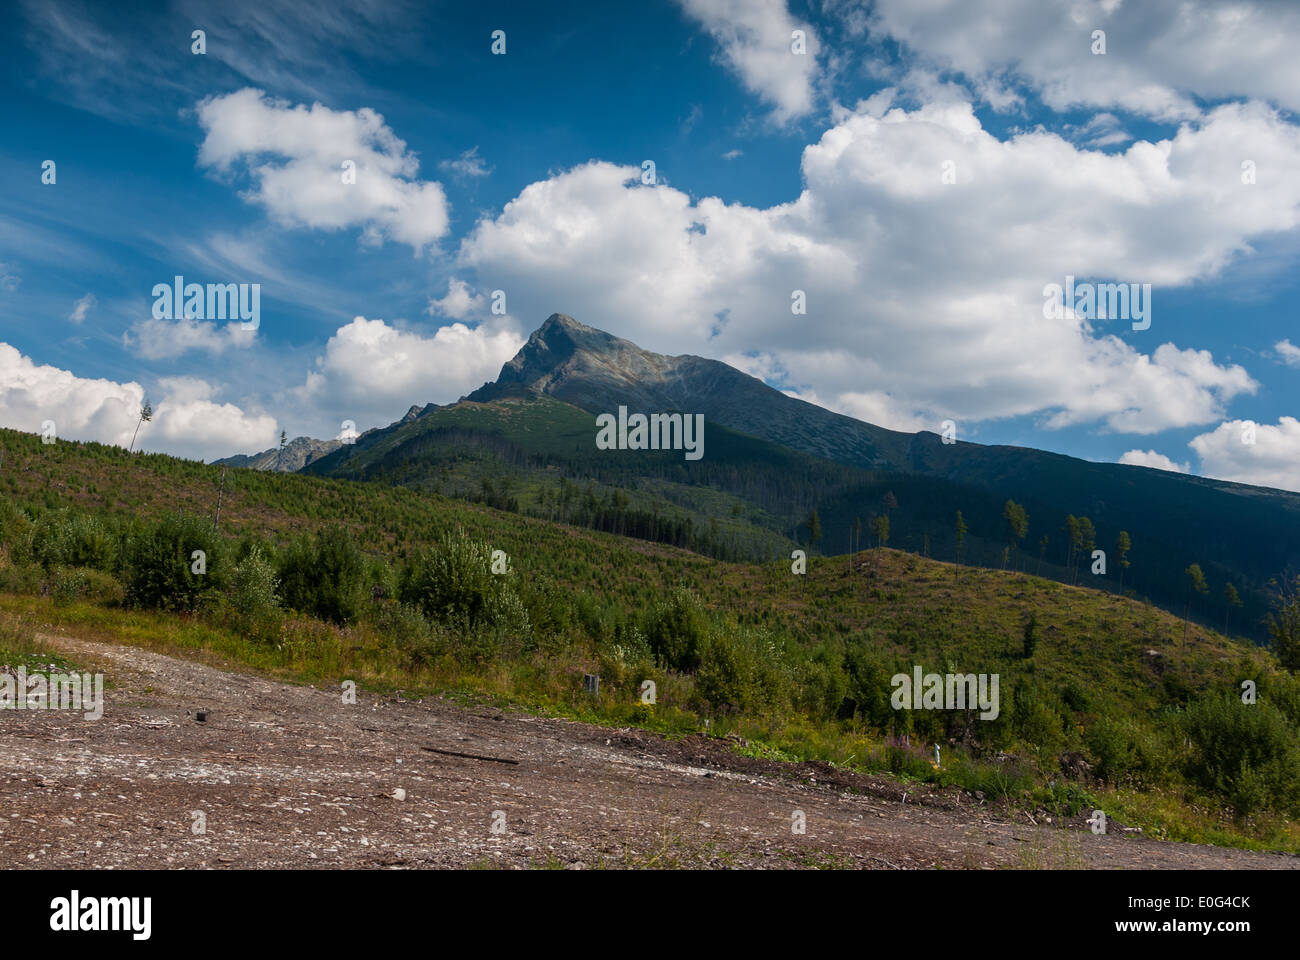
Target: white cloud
x=81 y=308
x=458 y=303
x=187 y=421
x=295 y=156
x=929 y=291
x=1273 y=460
x=878 y=407
x=1102 y=130
x=1158 y=461
x=155 y=339
x=1158 y=52
x=468 y=165
x=1288 y=352
x=755 y=38
x=371 y=372
x=9 y=278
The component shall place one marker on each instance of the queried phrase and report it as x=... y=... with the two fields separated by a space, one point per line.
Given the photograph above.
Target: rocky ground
x=290 y=776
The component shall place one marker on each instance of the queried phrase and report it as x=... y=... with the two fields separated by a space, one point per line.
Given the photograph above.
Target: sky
x=872 y=206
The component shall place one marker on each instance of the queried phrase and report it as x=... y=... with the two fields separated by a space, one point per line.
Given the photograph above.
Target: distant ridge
x=297 y=453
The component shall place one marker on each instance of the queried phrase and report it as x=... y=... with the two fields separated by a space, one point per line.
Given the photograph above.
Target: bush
x=725 y=676
x=1029 y=636
x=63 y=539
x=15 y=531
x=254 y=601
x=1246 y=753
x=21 y=578
x=869 y=689
x=407 y=629
x=1126 y=751
x=324 y=577
x=677 y=631
x=453 y=583
x=159 y=564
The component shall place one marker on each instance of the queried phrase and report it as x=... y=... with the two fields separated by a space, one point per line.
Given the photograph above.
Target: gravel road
x=289 y=776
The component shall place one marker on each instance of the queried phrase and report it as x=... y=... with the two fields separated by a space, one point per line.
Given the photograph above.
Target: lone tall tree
x=880 y=530
x=814 y=528
x=1017 y=525
x=1122 y=546
x=1230 y=599
x=146 y=414
x=1074 y=541
x=1088 y=534
x=961 y=538
x=1195 y=584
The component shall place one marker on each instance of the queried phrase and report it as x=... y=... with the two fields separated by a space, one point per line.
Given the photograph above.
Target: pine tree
x=1230 y=599
x=146 y=414
x=1195 y=584
x=1017 y=525
x=961 y=539
x=1122 y=546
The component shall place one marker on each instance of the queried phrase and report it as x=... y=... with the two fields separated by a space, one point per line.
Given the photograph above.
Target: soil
x=289 y=776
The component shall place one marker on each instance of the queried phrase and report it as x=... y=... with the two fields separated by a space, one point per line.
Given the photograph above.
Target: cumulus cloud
x=81 y=308
x=930 y=291
x=1273 y=460
x=754 y=38
x=1159 y=53
x=155 y=339
x=372 y=372
x=295 y=157
x=1149 y=458
x=1288 y=353
x=458 y=303
x=188 y=421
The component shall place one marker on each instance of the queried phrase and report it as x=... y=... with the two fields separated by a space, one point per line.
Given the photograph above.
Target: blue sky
x=775 y=171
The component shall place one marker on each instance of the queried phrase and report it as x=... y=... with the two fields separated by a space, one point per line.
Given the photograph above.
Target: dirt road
x=289 y=776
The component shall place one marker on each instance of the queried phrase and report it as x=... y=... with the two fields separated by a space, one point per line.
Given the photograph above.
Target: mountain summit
x=598 y=372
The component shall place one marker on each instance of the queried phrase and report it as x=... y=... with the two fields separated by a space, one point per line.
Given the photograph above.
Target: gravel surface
x=289 y=776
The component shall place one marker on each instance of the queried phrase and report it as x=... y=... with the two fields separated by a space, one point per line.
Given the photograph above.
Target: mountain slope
x=770 y=460
x=598 y=372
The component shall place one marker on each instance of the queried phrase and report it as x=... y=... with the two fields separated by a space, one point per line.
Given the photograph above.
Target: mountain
x=297 y=453
x=770 y=460
x=596 y=371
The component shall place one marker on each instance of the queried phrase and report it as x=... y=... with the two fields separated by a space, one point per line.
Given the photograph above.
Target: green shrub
x=15 y=531
x=725 y=676
x=21 y=577
x=410 y=632
x=160 y=564
x=324 y=576
x=1246 y=753
x=677 y=631
x=868 y=689
x=1127 y=751
x=453 y=583
x=253 y=596
x=62 y=538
